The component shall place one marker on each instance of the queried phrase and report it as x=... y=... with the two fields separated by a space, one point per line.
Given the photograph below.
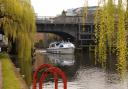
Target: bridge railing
x=64 y=19
x=44 y=19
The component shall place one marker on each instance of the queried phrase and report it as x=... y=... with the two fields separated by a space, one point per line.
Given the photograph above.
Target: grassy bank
x=10 y=78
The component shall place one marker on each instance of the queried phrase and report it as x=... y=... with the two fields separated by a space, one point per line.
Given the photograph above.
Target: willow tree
x=108 y=35
x=121 y=40
x=17 y=21
x=126 y=16
x=100 y=33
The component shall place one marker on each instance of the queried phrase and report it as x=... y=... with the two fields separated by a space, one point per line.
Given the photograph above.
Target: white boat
x=61 y=47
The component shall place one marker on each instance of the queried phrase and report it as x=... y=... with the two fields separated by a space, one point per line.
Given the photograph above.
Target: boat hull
x=61 y=50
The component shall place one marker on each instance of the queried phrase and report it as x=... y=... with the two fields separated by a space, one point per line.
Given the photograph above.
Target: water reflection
x=97 y=78
x=40 y=59
x=62 y=60
x=66 y=62
x=83 y=72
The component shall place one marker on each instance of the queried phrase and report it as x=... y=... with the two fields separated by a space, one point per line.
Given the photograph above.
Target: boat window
x=57 y=43
x=61 y=46
x=52 y=45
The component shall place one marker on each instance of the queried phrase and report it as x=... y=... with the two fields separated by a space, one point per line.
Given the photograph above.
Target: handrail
x=49 y=69
x=55 y=71
x=64 y=19
x=36 y=73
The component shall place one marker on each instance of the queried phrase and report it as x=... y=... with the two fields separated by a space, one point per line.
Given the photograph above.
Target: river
x=82 y=71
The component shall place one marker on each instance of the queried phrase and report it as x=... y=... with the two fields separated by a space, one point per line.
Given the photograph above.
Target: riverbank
x=11 y=78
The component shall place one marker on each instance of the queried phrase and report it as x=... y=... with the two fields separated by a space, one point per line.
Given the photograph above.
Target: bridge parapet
x=44 y=19
x=64 y=19
x=70 y=19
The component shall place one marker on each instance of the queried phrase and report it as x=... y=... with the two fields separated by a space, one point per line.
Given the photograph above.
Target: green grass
x=10 y=79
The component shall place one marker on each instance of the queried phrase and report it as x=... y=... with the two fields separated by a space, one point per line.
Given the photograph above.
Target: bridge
x=69 y=27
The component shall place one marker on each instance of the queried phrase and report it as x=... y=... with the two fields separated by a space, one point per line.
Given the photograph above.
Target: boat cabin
x=61 y=45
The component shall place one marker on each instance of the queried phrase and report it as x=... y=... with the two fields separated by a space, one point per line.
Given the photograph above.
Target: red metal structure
x=55 y=71
x=36 y=72
x=49 y=70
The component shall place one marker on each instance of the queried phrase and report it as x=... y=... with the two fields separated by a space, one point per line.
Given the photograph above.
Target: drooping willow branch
x=111 y=31
x=17 y=19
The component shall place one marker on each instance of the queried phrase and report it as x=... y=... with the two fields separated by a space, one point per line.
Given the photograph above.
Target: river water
x=82 y=71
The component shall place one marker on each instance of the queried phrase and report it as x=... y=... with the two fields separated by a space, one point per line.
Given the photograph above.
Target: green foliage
x=121 y=40
x=100 y=33
x=126 y=17
x=110 y=31
x=17 y=19
x=10 y=80
x=110 y=23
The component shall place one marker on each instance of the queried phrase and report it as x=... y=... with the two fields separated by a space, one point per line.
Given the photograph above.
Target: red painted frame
x=36 y=72
x=55 y=71
x=49 y=69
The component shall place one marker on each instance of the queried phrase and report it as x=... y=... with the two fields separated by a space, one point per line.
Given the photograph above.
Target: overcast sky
x=55 y=7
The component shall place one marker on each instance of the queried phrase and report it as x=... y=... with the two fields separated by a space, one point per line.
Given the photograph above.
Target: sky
x=55 y=7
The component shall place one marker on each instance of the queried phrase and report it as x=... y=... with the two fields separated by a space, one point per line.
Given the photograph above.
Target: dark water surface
x=82 y=71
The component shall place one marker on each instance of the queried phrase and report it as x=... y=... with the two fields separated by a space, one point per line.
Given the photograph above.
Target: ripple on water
x=89 y=77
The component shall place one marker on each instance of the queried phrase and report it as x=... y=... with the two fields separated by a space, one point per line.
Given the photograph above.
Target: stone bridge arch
x=66 y=31
x=63 y=35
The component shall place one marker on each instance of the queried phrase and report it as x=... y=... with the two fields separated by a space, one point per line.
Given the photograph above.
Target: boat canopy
x=62 y=45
